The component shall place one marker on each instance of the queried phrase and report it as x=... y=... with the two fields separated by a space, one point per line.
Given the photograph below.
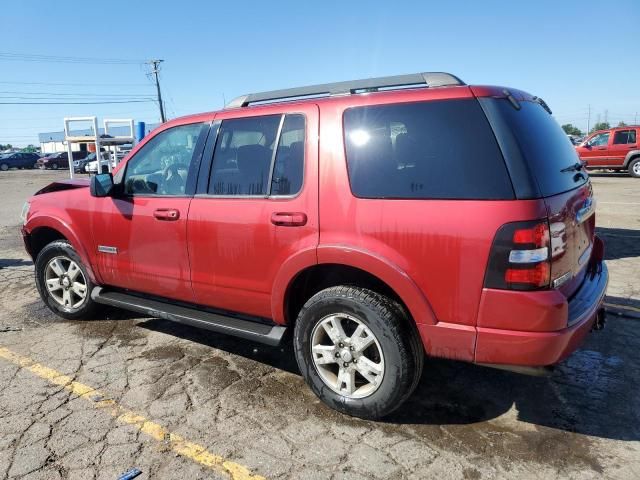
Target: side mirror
x=101 y=185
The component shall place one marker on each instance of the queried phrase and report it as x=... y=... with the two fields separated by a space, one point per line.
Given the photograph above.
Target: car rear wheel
x=634 y=167
x=53 y=166
x=4 y=167
x=358 y=351
x=63 y=282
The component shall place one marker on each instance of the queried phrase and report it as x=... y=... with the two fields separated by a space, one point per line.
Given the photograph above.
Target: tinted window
x=438 y=149
x=243 y=155
x=289 y=166
x=161 y=166
x=541 y=143
x=624 y=136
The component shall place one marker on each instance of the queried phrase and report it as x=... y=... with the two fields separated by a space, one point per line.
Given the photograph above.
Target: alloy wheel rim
x=65 y=282
x=347 y=355
x=636 y=168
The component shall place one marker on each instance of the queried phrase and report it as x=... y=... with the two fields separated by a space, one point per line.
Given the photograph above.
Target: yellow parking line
x=177 y=443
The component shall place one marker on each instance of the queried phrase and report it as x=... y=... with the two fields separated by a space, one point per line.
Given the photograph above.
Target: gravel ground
x=246 y=406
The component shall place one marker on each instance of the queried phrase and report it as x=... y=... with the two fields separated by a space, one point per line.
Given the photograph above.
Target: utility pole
x=155 y=65
x=589 y=120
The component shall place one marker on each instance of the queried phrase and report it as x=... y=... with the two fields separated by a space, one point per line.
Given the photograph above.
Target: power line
x=146 y=85
x=21 y=57
x=79 y=94
x=74 y=103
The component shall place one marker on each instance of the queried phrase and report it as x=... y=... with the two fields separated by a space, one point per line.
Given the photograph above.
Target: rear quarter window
x=424 y=150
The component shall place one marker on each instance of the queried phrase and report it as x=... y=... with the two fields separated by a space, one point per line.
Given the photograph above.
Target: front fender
x=62 y=225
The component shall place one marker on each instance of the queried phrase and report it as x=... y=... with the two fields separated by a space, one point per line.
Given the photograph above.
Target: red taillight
x=537 y=276
x=520 y=257
x=537 y=235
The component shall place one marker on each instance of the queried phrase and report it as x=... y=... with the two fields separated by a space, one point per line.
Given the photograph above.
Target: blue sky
x=572 y=54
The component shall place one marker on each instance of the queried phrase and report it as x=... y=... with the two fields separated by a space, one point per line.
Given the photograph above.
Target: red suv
x=377 y=220
x=615 y=149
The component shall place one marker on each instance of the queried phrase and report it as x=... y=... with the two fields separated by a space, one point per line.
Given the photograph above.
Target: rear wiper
x=576 y=167
x=543 y=104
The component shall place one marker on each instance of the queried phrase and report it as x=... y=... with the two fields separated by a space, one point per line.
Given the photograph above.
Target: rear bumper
x=538 y=348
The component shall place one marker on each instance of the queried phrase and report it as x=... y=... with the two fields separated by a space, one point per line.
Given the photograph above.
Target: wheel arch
x=339 y=265
x=40 y=231
x=631 y=156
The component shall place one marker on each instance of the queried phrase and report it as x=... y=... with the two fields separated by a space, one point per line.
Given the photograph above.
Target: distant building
x=53 y=142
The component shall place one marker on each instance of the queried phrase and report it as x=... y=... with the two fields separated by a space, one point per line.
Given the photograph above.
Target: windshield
x=542 y=144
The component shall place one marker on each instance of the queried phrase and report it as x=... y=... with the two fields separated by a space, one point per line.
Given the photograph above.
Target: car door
x=623 y=142
x=140 y=233
x=595 y=150
x=256 y=206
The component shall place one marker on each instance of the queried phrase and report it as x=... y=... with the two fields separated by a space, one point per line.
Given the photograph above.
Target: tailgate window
x=541 y=142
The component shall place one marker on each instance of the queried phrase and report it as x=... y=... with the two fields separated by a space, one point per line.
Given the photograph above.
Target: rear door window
x=624 y=137
x=424 y=150
x=246 y=158
x=289 y=166
x=243 y=156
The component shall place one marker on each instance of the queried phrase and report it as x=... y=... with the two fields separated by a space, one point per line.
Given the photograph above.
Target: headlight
x=25 y=212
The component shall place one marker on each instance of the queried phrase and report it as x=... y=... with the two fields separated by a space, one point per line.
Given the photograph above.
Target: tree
x=30 y=148
x=601 y=126
x=5 y=147
x=570 y=129
x=622 y=124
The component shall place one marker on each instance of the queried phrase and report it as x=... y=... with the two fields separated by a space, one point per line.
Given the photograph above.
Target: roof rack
x=428 y=79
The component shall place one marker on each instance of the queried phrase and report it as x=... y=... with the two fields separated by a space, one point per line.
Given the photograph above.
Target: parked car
x=84 y=165
x=615 y=149
x=59 y=160
x=18 y=160
x=92 y=167
x=377 y=220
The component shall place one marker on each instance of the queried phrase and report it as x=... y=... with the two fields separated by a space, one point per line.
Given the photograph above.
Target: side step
x=258 y=332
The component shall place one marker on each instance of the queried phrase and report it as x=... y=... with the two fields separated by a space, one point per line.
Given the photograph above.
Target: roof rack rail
x=428 y=79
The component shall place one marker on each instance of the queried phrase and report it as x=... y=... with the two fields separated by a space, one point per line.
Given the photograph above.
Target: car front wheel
x=63 y=282
x=358 y=351
x=4 y=167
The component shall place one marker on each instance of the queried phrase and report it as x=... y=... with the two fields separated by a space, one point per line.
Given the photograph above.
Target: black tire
x=397 y=336
x=634 y=167
x=62 y=248
x=4 y=167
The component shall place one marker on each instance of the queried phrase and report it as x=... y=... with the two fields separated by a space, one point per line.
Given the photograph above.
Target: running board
x=258 y=332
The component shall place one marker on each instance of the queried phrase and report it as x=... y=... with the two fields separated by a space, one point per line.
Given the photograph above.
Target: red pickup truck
x=615 y=149
x=376 y=220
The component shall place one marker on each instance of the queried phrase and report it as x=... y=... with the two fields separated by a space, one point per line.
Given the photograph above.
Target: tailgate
x=572 y=227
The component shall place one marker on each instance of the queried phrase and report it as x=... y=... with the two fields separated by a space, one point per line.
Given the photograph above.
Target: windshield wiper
x=576 y=167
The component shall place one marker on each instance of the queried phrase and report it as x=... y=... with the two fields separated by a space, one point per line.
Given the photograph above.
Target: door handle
x=167 y=214
x=602 y=148
x=632 y=146
x=289 y=219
